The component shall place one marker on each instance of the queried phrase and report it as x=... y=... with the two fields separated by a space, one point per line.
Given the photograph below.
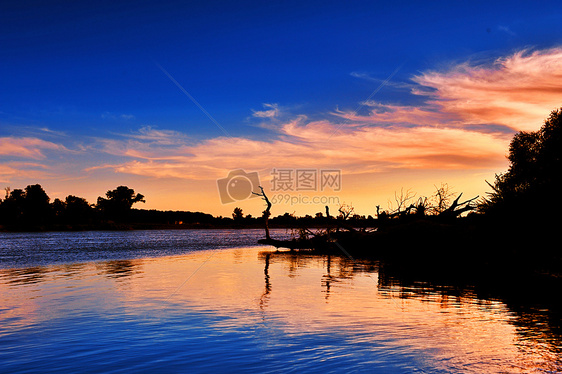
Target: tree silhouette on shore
x=118 y=203
x=534 y=174
x=237 y=214
x=31 y=207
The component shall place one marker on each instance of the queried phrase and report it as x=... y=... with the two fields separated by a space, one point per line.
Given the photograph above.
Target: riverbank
x=464 y=246
x=115 y=226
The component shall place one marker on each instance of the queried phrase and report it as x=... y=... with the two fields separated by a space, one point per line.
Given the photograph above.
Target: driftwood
x=455 y=209
x=396 y=222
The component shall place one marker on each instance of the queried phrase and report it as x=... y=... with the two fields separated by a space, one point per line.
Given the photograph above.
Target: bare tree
x=266 y=213
x=401 y=200
x=442 y=198
x=345 y=211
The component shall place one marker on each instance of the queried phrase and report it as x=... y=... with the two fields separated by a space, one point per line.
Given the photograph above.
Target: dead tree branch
x=266 y=212
x=457 y=208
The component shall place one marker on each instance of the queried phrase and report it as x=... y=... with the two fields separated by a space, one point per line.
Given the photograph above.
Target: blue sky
x=80 y=74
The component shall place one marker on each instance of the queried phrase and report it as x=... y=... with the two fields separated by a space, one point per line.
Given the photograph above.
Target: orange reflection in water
x=292 y=294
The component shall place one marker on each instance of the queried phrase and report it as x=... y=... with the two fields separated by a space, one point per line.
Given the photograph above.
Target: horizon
x=341 y=103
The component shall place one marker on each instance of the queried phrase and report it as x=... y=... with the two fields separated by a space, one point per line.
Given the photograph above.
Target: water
x=212 y=301
x=27 y=249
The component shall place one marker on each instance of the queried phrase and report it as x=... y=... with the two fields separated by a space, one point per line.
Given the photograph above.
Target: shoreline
x=149 y=226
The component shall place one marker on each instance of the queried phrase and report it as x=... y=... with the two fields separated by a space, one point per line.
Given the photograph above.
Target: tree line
x=33 y=207
x=524 y=193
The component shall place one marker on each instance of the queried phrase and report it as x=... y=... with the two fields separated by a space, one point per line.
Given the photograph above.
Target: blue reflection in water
x=45 y=248
x=172 y=306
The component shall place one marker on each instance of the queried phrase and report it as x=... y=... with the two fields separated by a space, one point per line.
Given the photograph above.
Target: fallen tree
x=430 y=214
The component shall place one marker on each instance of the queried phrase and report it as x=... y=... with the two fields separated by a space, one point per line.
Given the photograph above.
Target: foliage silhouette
x=36 y=204
x=30 y=209
x=118 y=203
x=237 y=214
x=78 y=210
x=534 y=174
x=26 y=207
x=12 y=208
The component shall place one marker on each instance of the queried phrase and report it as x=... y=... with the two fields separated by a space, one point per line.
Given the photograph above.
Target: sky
x=197 y=104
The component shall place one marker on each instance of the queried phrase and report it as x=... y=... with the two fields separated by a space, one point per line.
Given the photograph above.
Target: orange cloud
x=470 y=113
x=29 y=148
x=270 y=111
x=355 y=149
x=26 y=147
x=29 y=170
x=380 y=113
x=517 y=91
x=6 y=173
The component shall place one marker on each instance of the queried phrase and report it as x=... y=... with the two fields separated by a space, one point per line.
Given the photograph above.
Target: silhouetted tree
x=77 y=209
x=237 y=214
x=58 y=207
x=11 y=210
x=534 y=174
x=25 y=207
x=118 y=203
x=36 y=208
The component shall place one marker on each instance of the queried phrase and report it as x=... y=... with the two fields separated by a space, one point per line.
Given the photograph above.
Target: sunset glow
x=172 y=135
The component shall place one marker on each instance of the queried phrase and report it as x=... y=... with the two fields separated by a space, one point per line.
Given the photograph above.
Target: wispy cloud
x=389 y=83
x=506 y=29
x=113 y=116
x=469 y=115
x=55 y=133
x=270 y=111
x=154 y=135
x=31 y=158
x=395 y=114
x=27 y=147
x=302 y=143
x=517 y=91
x=27 y=170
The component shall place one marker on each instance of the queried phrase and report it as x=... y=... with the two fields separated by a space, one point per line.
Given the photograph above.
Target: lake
x=214 y=301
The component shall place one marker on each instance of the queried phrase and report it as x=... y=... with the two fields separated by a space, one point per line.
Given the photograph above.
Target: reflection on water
x=121 y=268
x=48 y=248
x=265 y=296
x=534 y=303
x=250 y=309
x=27 y=275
